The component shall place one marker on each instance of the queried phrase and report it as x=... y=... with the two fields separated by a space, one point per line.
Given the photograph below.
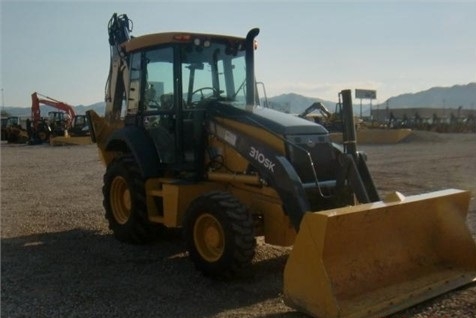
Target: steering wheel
x=153 y=104
x=200 y=90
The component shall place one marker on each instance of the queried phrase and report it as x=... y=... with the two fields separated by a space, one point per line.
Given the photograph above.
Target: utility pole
x=3 y=101
x=444 y=109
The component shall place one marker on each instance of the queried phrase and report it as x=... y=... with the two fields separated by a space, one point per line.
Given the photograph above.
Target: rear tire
x=219 y=235
x=43 y=133
x=125 y=202
x=12 y=137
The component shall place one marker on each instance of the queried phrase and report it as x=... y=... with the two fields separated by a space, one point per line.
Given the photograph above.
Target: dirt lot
x=60 y=260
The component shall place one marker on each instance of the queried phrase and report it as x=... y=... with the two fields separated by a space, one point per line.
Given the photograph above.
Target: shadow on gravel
x=81 y=273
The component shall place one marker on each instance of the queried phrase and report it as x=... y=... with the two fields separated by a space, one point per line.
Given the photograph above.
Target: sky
x=312 y=48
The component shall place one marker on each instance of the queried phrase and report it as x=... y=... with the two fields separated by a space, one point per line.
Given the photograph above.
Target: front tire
x=219 y=235
x=125 y=202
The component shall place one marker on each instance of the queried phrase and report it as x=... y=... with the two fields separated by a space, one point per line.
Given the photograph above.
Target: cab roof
x=149 y=40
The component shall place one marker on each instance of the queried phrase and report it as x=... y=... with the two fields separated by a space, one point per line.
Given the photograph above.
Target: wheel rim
x=120 y=198
x=209 y=237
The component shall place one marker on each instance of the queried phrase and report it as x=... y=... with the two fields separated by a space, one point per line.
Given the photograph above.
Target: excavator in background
x=365 y=134
x=331 y=121
x=194 y=150
x=63 y=126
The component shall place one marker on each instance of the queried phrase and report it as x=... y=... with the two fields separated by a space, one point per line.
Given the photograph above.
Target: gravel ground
x=58 y=258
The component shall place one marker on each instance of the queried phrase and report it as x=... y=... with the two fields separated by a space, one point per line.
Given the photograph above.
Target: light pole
x=3 y=101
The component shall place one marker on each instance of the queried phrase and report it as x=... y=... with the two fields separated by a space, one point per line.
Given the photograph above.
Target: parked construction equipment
x=14 y=129
x=60 y=126
x=194 y=150
x=333 y=122
x=365 y=134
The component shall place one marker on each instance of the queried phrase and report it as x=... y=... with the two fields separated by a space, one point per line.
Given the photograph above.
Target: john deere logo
x=310 y=143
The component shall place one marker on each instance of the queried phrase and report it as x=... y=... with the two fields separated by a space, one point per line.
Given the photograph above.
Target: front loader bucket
x=68 y=140
x=375 y=259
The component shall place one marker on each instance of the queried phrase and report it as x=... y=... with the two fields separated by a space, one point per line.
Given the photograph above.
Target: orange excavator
x=59 y=123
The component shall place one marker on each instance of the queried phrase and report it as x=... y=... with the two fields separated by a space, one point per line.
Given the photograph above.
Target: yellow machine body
x=259 y=172
x=366 y=260
x=263 y=201
x=374 y=259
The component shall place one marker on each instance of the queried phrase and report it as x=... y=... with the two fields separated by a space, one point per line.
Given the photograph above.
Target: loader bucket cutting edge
x=375 y=259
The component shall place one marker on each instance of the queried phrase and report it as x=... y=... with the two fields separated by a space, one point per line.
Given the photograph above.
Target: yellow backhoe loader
x=194 y=150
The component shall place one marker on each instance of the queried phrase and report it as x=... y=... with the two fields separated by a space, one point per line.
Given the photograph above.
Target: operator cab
x=171 y=83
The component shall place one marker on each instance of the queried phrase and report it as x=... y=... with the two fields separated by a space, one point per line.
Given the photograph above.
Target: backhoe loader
x=194 y=150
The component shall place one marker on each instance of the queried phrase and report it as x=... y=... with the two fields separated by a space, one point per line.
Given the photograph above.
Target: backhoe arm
x=316 y=106
x=118 y=29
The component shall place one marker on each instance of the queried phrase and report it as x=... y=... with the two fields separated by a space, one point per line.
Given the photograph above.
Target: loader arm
x=279 y=173
x=350 y=148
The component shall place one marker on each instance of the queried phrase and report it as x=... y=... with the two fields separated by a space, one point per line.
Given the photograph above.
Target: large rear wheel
x=43 y=133
x=219 y=235
x=125 y=202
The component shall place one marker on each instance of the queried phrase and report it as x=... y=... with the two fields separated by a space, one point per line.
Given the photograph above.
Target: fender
x=275 y=168
x=140 y=145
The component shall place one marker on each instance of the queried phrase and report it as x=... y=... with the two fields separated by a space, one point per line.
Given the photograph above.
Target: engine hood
x=275 y=121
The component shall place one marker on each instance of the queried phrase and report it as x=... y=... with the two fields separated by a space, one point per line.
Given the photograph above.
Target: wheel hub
x=209 y=237
x=120 y=199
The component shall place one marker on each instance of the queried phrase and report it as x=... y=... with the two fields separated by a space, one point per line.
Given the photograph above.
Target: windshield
x=207 y=70
x=12 y=121
x=214 y=70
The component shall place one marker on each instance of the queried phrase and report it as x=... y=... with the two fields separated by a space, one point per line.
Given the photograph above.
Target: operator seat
x=167 y=101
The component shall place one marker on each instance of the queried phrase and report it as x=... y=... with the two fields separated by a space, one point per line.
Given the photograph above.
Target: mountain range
x=454 y=97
